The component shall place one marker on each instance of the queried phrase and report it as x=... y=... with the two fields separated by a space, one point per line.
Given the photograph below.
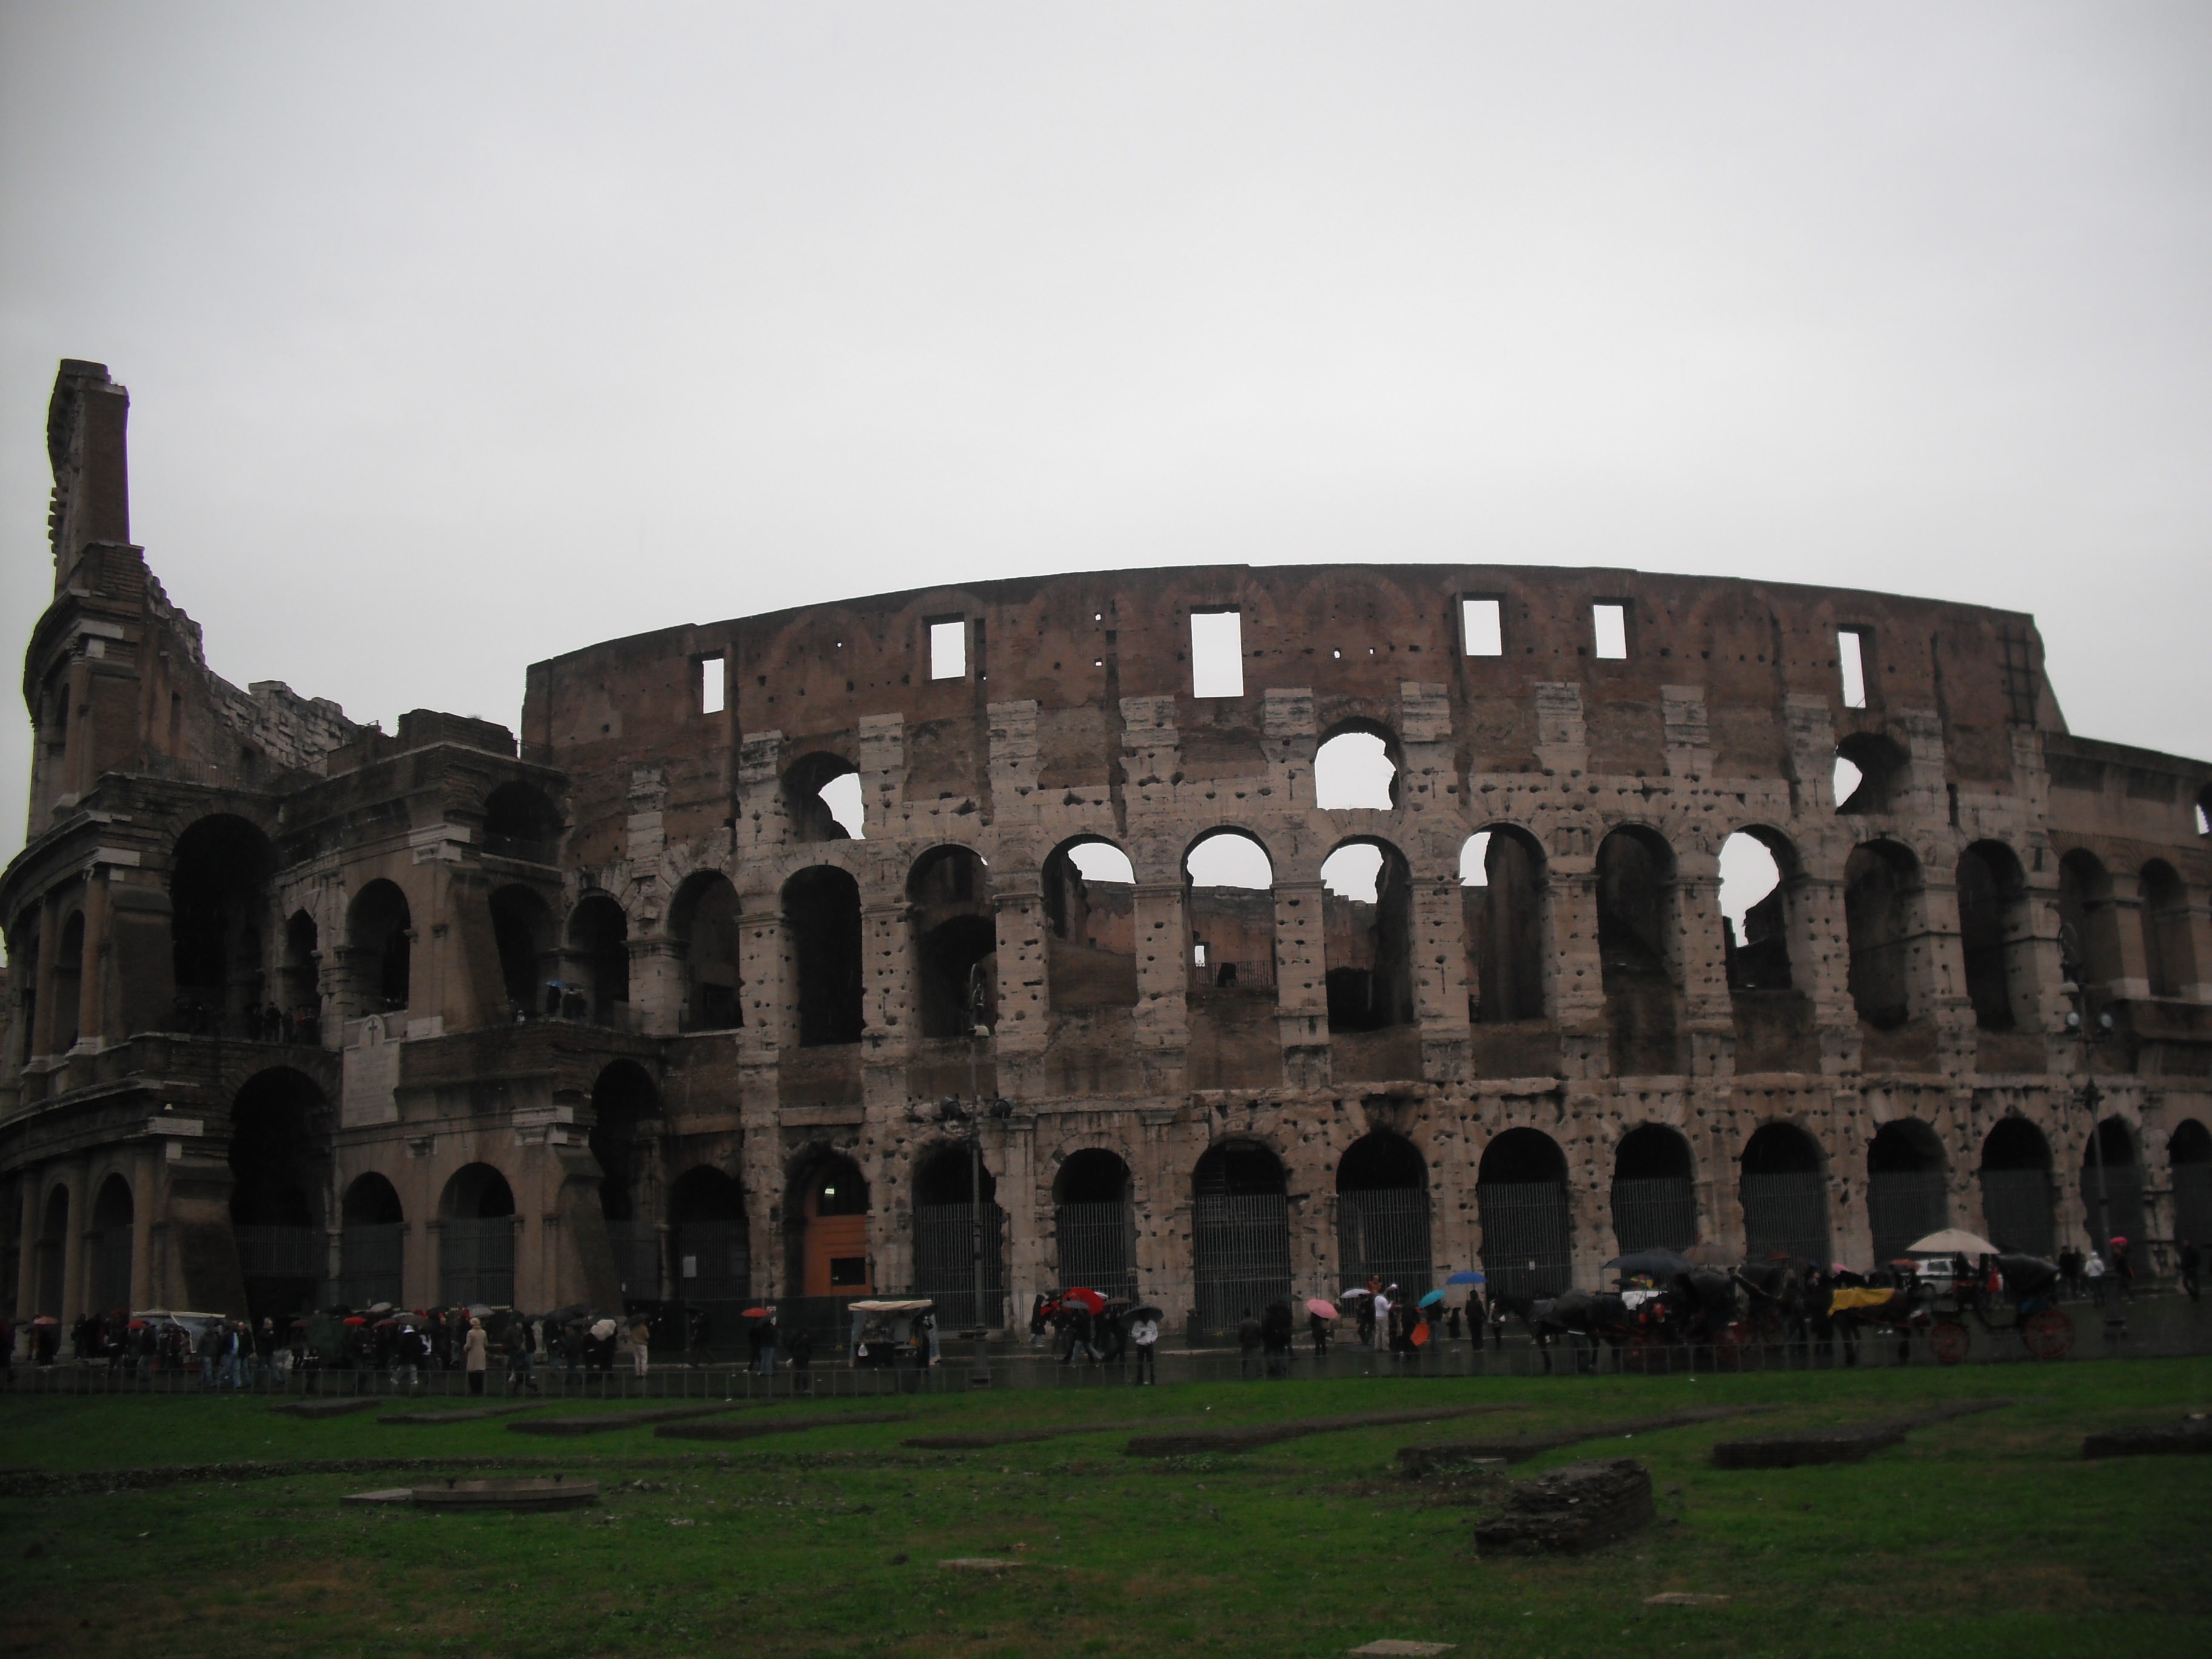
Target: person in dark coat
x=2188 y=1261
x=798 y=1348
x=1275 y=1329
x=1248 y=1336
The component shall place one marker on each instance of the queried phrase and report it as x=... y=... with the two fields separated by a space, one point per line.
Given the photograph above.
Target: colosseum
x=1216 y=933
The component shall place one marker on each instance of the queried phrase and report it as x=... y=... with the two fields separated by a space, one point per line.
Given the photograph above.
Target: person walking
x=640 y=1337
x=926 y=1326
x=766 y=1331
x=210 y=1335
x=522 y=1358
x=799 y=1349
x=2124 y=1270
x=408 y=1353
x=238 y=1343
x=2070 y=1269
x=1275 y=1338
x=2189 y=1260
x=1145 y=1336
x=473 y=1352
x=1247 y=1346
x=2093 y=1273
x=1317 y=1332
x=1382 y=1304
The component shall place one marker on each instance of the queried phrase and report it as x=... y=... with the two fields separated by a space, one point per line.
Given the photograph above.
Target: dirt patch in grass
x=1199 y=1441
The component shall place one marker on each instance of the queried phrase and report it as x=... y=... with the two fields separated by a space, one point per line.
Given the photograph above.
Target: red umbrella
x=754 y=1312
x=1420 y=1338
x=356 y=1320
x=1090 y=1300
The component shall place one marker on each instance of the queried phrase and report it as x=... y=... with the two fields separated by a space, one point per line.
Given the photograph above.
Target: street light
x=2087 y=1033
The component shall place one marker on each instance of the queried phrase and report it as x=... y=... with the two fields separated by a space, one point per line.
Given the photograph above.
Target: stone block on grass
x=1570 y=1511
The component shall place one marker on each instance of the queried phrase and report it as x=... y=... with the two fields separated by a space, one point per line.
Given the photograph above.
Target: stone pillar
x=1025 y=1017
x=657 y=985
x=1302 y=983
x=1819 y=966
x=1440 y=991
x=144 y=1186
x=1574 y=992
x=95 y=973
x=33 y=1187
x=73 y=1250
x=1701 y=960
x=1936 y=970
x=1162 y=1017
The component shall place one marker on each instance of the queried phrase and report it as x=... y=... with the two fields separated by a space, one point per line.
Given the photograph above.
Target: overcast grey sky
x=460 y=336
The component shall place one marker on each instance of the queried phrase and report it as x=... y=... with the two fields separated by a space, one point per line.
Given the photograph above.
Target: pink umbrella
x=1319 y=1309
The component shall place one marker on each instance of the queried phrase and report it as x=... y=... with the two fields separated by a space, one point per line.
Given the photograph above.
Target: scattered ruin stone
x=978 y=1564
x=382 y=1495
x=1851 y=1444
x=1268 y=1434
x=752 y=1430
x=313 y=1409
x=477 y=1416
x=2192 y=1434
x=599 y=1422
x=1684 y=1599
x=556 y=1493
x=1390 y=1645
x=1570 y=1511
x=1414 y=1461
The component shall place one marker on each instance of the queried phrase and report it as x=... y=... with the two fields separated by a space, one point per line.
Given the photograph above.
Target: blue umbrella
x=1465 y=1279
x=1433 y=1299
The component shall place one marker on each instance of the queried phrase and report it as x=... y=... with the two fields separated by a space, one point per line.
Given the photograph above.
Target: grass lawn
x=1987 y=1534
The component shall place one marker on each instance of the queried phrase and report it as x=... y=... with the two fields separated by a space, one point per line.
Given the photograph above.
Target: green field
x=1988 y=1534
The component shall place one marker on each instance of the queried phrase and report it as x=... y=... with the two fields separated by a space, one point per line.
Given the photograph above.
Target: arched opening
x=303 y=995
x=823 y=798
x=1367 y=925
x=2189 y=1158
x=69 y=983
x=113 y=1213
x=1784 y=1192
x=956 y=943
x=625 y=1111
x=1353 y=771
x=2115 y=1190
x=372 y=1244
x=521 y=822
x=1090 y=904
x=476 y=1239
x=2016 y=1176
x=1240 y=1233
x=2088 y=926
x=2169 y=951
x=1882 y=891
x=1501 y=877
x=599 y=959
x=708 y=1238
x=1905 y=1197
x=1382 y=1214
x=958 y=1226
x=830 y=1240
x=522 y=929
x=1754 y=911
x=1637 y=949
x=379 y=938
x=1655 y=1198
x=1095 y=1223
x=1521 y=1191
x=1230 y=904
x=52 y=1252
x=822 y=908
x=1993 y=930
x=1870 y=771
x=277 y=1131
x=703 y=923
x=219 y=913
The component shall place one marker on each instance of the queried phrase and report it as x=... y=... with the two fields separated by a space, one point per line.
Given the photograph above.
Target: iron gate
x=945 y=1263
x=714 y=1261
x=1786 y=1212
x=1383 y=1233
x=1098 y=1246
x=1525 y=1237
x=2016 y=1210
x=476 y=1262
x=2124 y=1182
x=636 y=1247
x=1903 y=1205
x=2192 y=1203
x=1240 y=1255
x=1654 y=1212
x=369 y=1264
x=111 y=1270
x=281 y=1252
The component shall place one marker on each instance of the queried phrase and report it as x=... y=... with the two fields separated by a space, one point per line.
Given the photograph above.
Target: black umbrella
x=1648 y=1264
x=1147 y=1311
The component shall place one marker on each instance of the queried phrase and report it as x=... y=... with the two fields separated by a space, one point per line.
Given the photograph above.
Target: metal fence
x=944 y=1242
x=1525 y=1237
x=714 y=1263
x=2016 y=1207
x=476 y=1262
x=1098 y=1246
x=1786 y=1212
x=2192 y=1203
x=1655 y=1213
x=282 y=1252
x=636 y=1247
x=2123 y=1184
x=1903 y=1205
x=369 y=1261
x=1383 y=1233
x=1241 y=1256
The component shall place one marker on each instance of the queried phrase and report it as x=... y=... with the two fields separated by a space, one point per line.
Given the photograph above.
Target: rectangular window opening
x=1610 y=622
x=1850 y=651
x=712 y=685
x=1481 y=628
x=948 y=649
x=1217 y=653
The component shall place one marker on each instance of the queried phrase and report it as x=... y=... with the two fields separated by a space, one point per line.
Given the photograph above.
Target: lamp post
x=964 y=1119
x=2087 y=1033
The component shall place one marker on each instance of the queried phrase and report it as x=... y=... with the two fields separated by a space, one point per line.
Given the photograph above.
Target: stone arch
x=1382 y=1216
x=1367 y=942
x=1091 y=949
x=702 y=923
x=1907 y=1196
x=114 y=1211
x=1240 y=1231
x=826 y=1229
x=1757 y=948
x=625 y=1111
x=475 y=1238
x=2169 y=949
x=279 y=1161
x=1655 y=1198
x=380 y=940
x=1504 y=905
x=955 y=1194
x=1994 y=932
x=2088 y=925
x=954 y=929
x=66 y=982
x=2123 y=1181
x=372 y=1242
x=1229 y=882
x=822 y=909
x=814 y=796
x=521 y=822
x=2189 y=1162
x=1783 y=1187
x=1521 y=1193
x=598 y=960
x=2015 y=1180
x=1637 y=902
x=1095 y=1222
x=1877 y=765
x=1356 y=768
x=708 y=1236
x=52 y=1265
x=1882 y=895
x=219 y=898
x=522 y=930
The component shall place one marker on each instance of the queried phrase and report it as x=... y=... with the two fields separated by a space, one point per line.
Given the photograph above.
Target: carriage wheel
x=1949 y=1339
x=2049 y=1334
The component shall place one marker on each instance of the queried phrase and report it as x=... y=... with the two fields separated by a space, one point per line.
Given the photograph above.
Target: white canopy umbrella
x=1951 y=1240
